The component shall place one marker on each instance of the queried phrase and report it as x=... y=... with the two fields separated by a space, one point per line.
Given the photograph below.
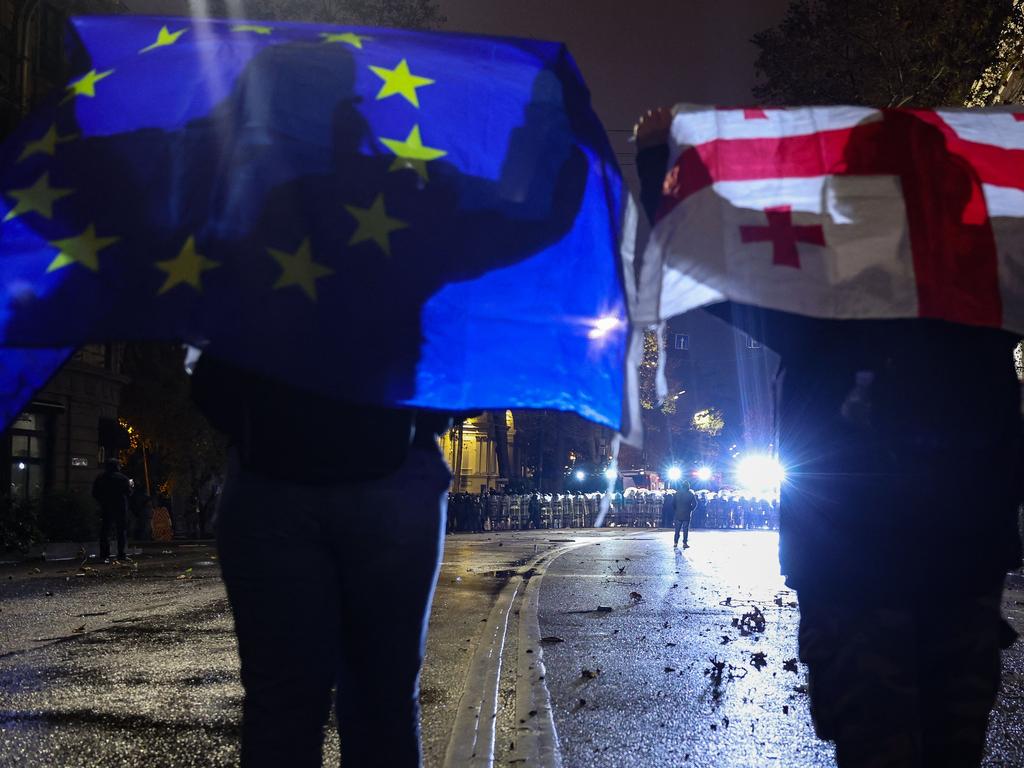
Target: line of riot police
x=634 y=508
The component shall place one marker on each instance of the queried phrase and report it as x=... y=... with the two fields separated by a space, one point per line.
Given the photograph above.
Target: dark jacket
x=685 y=502
x=880 y=424
x=112 y=489
x=305 y=437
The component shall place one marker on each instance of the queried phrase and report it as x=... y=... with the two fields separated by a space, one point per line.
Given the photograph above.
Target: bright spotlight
x=703 y=474
x=581 y=475
x=759 y=473
x=610 y=473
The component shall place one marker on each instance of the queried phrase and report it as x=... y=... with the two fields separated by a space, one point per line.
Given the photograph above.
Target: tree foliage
x=709 y=421
x=412 y=14
x=156 y=403
x=894 y=53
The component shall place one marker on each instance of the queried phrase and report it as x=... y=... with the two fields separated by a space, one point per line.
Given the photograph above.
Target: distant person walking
x=112 y=490
x=685 y=503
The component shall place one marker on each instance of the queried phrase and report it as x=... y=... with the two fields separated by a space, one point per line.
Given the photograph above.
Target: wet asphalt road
x=136 y=666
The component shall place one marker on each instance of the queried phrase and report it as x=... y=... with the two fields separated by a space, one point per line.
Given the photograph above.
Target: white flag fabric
x=845 y=212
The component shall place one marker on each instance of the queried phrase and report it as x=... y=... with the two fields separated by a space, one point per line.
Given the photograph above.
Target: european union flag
x=386 y=216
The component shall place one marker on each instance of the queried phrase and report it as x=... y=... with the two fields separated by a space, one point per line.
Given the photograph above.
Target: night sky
x=633 y=54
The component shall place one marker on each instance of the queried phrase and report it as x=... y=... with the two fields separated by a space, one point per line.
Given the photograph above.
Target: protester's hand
x=652 y=127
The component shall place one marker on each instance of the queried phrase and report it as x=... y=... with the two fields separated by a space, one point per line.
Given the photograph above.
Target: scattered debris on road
x=790 y=665
x=552 y=639
x=758 y=660
x=750 y=622
x=636 y=596
x=588 y=674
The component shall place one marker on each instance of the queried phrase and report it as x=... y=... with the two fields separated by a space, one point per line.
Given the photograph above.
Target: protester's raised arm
x=651 y=136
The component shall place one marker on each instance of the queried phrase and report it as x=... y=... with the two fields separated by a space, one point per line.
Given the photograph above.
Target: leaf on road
x=588 y=674
x=790 y=665
x=750 y=622
x=758 y=660
x=635 y=596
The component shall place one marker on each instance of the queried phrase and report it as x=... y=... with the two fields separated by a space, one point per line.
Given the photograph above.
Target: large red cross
x=783 y=234
x=954 y=250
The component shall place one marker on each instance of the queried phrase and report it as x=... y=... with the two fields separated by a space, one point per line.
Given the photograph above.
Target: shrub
x=19 y=529
x=68 y=516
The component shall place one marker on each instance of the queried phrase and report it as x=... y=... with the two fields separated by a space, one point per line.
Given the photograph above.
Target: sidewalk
x=62 y=551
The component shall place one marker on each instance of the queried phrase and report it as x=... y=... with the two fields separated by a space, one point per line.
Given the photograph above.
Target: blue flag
x=386 y=216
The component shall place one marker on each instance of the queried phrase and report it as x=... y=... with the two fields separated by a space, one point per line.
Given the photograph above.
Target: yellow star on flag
x=86 y=84
x=254 y=28
x=299 y=269
x=187 y=267
x=356 y=41
x=374 y=224
x=164 y=37
x=81 y=249
x=39 y=198
x=400 y=81
x=411 y=153
x=47 y=144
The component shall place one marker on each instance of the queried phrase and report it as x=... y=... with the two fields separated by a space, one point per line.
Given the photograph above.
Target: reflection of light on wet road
x=747 y=559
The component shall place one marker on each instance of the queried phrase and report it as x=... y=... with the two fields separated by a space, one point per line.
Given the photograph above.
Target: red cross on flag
x=846 y=212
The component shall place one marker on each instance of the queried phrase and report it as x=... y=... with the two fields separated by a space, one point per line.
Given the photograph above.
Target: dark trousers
x=116 y=519
x=682 y=524
x=331 y=586
x=891 y=687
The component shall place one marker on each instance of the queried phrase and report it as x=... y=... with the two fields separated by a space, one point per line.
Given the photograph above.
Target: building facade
x=472 y=452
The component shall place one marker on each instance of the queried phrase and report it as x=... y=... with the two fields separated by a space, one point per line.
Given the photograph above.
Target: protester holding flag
x=347 y=222
x=874 y=250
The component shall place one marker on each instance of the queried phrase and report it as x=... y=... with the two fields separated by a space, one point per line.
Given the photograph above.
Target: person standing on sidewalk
x=112 y=490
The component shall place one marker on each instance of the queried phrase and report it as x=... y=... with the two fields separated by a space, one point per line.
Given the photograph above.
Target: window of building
x=94 y=354
x=27 y=456
x=682 y=341
x=51 y=42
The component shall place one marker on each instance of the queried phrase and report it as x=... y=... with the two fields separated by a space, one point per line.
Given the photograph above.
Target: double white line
x=472 y=740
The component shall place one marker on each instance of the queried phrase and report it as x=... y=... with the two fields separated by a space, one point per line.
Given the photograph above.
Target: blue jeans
x=331 y=586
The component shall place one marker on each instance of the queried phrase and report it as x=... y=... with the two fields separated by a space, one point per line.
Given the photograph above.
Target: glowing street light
x=581 y=475
x=675 y=474
x=758 y=473
x=703 y=474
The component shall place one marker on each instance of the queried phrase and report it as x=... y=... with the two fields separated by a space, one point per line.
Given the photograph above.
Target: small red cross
x=756 y=114
x=783 y=235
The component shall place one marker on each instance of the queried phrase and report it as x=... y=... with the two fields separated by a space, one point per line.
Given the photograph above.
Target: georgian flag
x=845 y=212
